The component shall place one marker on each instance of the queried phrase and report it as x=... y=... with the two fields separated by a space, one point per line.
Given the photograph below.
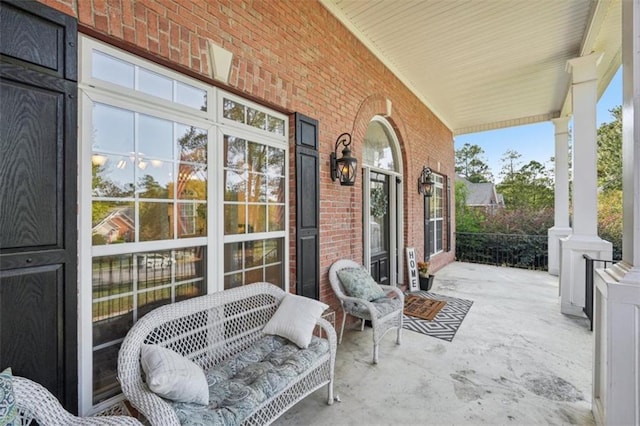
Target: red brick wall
x=297 y=56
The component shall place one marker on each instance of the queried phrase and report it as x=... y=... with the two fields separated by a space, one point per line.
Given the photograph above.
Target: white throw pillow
x=295 y=319
x=173 y=376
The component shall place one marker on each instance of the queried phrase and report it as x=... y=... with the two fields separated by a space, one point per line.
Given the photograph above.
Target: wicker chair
x=384 y=314
x=36 y=403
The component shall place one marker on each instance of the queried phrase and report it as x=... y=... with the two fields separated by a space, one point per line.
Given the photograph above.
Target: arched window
x=378 y=151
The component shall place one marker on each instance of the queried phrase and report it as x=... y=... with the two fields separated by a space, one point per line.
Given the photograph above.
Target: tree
x=509 y=163
x=609 y=141
x=471 y=164
x=530 y=187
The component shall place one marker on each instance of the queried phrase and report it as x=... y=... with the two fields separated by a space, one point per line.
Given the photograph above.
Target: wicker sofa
x=252 y=377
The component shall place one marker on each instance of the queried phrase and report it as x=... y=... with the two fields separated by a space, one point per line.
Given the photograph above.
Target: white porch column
x=560 y=227
x=616 y=355
x=584 y=239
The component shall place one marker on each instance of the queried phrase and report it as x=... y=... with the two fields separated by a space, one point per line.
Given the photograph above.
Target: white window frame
x=396 y=199
x=438 y=184
x=94 y=90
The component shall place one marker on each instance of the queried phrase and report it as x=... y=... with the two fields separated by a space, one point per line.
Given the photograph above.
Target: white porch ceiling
x=487 y=64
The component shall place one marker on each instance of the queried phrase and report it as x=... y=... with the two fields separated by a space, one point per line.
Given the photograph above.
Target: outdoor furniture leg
x=375 y=353
x=344 y=319
x=399 y=338
x=362 y=324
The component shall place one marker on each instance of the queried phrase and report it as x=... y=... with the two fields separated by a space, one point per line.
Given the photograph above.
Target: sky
x=534 y=141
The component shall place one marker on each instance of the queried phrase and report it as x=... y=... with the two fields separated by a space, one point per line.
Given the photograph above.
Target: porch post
x=616 y=355
x=584 y=239
x=560 y=227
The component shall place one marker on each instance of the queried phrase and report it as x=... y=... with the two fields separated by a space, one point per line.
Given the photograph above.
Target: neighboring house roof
x=482 y=194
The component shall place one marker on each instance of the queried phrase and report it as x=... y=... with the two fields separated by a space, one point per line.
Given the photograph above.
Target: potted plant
x=426 y=280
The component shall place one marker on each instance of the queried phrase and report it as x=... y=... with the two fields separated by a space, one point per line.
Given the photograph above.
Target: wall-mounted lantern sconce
x=343 y=168
x=425 y=183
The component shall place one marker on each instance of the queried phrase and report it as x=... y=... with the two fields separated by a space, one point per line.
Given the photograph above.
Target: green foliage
x=610 y=219
x=610 y=152
x=471 y=164
x=467 y=219
x=530 y=187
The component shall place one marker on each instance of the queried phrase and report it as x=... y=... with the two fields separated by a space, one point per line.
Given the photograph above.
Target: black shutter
x=38 y=214
x=307 y=207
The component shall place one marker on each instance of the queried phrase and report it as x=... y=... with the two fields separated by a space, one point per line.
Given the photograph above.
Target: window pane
x=190 y=263
x=235 y=186
x=192 y=181
x=189 y=290
x=113 y=176
x=149 y=300
x=192 y=220
x=257 y=218
x=112 y=222
x=234 y=221
x=154 y=268
x=154 y=182
x=155 y=84
x=276 y=217
x=233 y=257
x=112 y=319
x=256 y=118
x=108 y=68
x=253 y=253
x=257 y=188
x=233 y=110
x=275 y=190
x=233 y=280
x=274 y=250
x=253 y=276
x=276 y=125
x=112 y=129
x=156 y=221
x=191 y=144
x=111 y=276
x=274 y=275
x=155 y=137
x=377 y=151
x=234 y=152
x=191 y=96
x=105 y=366
x=257 y=157
x=276 y=161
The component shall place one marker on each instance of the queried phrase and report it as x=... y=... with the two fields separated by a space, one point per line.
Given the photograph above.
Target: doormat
x=422 y=307
x=446 y=323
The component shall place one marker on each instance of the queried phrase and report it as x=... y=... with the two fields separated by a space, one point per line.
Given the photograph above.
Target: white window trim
x=93 y=90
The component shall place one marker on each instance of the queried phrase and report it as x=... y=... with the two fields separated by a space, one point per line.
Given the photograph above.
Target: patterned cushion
x=8 y=409
x=242 y=383
x=358 y=283
x=383 y=306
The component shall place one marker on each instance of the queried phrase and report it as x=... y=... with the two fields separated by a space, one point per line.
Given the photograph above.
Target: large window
x=168 y=180
x=436 y=218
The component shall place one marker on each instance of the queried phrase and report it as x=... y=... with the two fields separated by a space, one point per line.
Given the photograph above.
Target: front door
x=379 y=227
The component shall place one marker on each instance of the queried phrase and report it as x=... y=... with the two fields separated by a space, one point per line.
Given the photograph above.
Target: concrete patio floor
x=515 y=360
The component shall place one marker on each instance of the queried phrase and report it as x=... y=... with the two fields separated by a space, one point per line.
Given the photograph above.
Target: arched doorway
x=382 y=202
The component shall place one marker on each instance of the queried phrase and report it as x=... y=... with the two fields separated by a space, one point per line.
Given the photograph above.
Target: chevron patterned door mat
x=446 y=323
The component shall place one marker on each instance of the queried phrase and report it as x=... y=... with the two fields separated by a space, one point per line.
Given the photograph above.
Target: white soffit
x=486 y=64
